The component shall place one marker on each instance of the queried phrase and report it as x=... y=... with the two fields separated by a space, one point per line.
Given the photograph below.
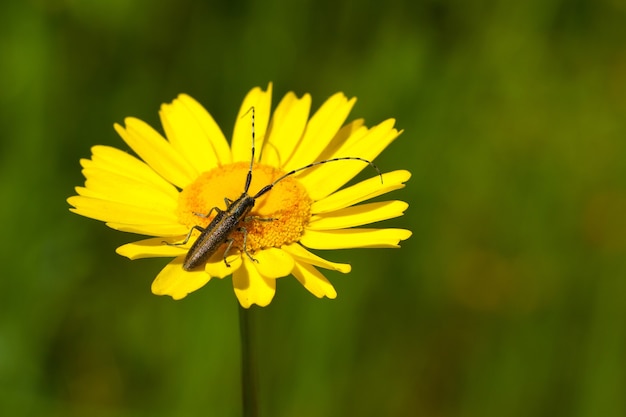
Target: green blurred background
x=509 y=299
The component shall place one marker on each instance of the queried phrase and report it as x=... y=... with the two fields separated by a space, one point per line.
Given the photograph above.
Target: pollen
x=277 y=218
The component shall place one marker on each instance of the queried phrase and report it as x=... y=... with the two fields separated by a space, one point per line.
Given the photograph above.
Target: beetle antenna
x=344 y=158
x=249 y=176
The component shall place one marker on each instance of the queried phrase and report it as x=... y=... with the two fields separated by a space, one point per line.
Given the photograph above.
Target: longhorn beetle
x=227 y=221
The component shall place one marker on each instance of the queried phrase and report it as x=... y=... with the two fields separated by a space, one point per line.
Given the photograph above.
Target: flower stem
x=248 y=365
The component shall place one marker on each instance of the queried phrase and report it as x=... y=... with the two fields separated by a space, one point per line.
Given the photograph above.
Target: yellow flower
x=183 y=177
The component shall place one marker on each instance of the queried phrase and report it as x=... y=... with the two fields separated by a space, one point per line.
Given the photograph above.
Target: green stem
x=248 y=365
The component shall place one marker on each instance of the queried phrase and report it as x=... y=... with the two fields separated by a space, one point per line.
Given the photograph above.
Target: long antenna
x=343 y=158
x=249 y=176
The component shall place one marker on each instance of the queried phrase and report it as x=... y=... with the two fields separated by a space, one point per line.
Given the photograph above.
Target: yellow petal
x=320 y=130
x=242 y=135
x=301 y=255
x=157 y=152
x=217 y=268
x=162 y=230
x=326 y=178
x=151 y=248
x=110 y=211
x=346 y=147
x=273 y=263
x=351 y=131
x=193 y=132
x=362 y=191
x=251 y=287
x=354 y=238
x=314 y=281
x=112 y=160
x=174 y=281
x=358 y=215
x=210 y=127
x=108 y=186
x=287 y=125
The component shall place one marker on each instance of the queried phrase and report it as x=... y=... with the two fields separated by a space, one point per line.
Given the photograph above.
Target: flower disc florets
x=278 y=217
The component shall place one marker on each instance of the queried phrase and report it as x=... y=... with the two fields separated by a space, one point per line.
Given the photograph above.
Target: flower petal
x=354 y=238
x=349 y=132
x=358 y=215
x=326 y=178
x=322 y=127
x=115 y=212
x=288 y=123
x=314 y=281
x=242 y=134
x=151 y=248
x=174 y=281
x=162 y=230
x=362 y=191
x=193 y=132
x=273 y=263
x=301 y=255
x=157 y=152
x=114 y=161
x=112 y=187
x=251 y=287
x=217 y=268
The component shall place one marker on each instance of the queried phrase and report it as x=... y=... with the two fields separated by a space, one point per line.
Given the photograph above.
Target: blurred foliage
x=509 y=299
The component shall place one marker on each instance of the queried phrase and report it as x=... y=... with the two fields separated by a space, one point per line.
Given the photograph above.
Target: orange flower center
x=287 y=203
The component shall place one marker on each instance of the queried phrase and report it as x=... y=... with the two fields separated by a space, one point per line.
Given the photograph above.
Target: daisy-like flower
x=179 y=180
